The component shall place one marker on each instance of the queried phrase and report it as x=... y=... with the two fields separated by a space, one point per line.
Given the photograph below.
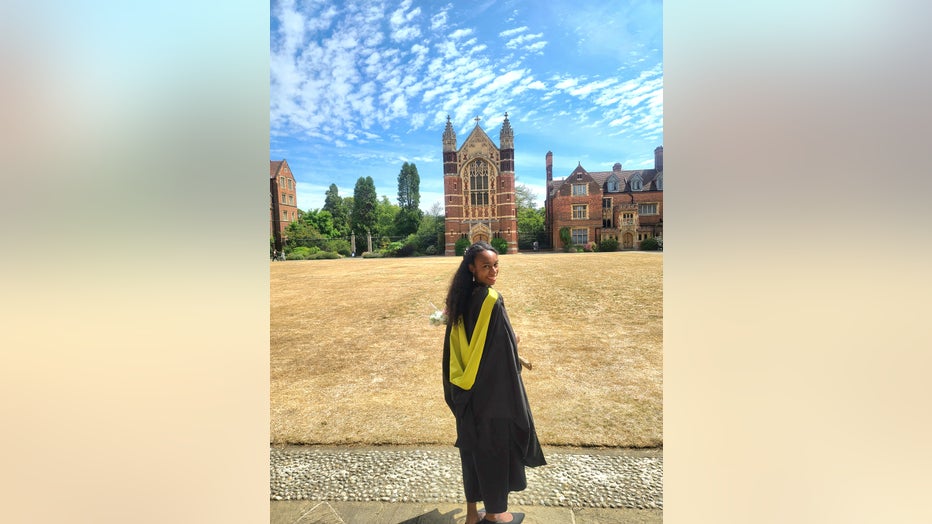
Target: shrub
x=431 y=250
x=340 y=246
x=301 y=253
x=461 y=245
x=500 y=245
x=405 y=251
x=649 y=244
x=320 y=255
x=566 y=239
x=371 y=254
x=391 y=248
x=609 y=244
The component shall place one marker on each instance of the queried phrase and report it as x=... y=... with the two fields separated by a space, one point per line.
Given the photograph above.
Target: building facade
x=283 y=200
x=626 y=205
x=479 y=187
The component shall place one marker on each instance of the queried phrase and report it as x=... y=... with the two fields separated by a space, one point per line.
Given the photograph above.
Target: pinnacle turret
x=449 y=137
x=506 y=137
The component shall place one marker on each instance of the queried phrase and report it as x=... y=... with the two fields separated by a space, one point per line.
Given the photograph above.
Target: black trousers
x=494 y=468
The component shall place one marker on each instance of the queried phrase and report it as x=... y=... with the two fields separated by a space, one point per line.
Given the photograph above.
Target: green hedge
x=650 y=244
x=609 y=244
x=500 y=245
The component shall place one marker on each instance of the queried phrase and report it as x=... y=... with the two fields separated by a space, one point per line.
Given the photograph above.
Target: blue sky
x=359 y=87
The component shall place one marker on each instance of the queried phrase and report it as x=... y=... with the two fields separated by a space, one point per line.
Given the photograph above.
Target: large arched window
x=479 y=183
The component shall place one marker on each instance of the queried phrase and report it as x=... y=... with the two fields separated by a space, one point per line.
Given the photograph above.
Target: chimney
x=658 y=159
x=549 y=168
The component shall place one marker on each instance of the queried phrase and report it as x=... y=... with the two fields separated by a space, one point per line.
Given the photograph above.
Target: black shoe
x=518 y=518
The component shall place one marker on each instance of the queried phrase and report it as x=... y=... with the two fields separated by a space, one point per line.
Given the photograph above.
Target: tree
x=338 y=209
x=321 y=220
x=407 y=221
x=385 y=215
x=365 y=202
x=430 y=232
x=302 y=233
x=409 y=182
x=530 y=218
x=409 y=215
x=524 y=197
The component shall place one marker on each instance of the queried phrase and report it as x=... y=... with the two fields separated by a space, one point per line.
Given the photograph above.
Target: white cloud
x=584 y=90
x=400 y=22
x=509 y=32
x=520 y=40
x=536 y=46
x=439 y=20
x=406 y=33
x=460 y=33
x=565 y=84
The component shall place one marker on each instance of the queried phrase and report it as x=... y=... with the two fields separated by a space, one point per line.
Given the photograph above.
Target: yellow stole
x=465 y=354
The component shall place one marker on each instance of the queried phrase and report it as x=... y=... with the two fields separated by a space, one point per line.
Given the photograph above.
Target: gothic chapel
x=479 y=187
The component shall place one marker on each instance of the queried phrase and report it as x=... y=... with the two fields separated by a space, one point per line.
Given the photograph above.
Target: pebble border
x=617 y=479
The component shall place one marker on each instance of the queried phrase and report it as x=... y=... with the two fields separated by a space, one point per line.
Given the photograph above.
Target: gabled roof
x=601 y=177
x=481 y=136
x=276 y=167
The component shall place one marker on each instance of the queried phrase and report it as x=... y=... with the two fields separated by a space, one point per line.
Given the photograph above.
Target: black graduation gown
x=498 y=391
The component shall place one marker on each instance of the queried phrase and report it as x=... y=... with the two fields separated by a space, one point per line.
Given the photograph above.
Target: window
x=284 y=215
x=647 y=209
x=613 y=183
x=580 y=236
x=284 y=199
x=607 y=222
x=479 y=183
x=580 y=189
x=659 y=182
x=627 y=219
x=636 y=183
x=606 y=203
x=580 y=212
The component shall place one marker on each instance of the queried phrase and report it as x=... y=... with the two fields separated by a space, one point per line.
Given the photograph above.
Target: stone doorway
x=480 y=233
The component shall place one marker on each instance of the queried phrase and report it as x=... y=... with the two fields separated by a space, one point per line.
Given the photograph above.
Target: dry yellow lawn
x=354 y=359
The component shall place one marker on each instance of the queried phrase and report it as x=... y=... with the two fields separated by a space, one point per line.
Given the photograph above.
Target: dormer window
x=637 y=184
x=612 y=184
x=659 y=182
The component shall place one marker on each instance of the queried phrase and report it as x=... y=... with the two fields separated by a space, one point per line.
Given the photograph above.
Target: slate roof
x=601 y=177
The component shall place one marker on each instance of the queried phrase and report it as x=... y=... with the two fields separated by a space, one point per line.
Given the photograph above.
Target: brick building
x=283 y=206
x=479 y=187
x=626 y=205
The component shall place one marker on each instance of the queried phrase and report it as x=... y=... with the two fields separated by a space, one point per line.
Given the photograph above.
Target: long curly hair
x=462 y=284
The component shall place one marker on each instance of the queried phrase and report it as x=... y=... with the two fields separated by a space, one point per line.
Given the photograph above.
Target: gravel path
x=617 y=478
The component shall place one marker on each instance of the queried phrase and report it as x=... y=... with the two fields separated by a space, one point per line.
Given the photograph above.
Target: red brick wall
x=562 y=208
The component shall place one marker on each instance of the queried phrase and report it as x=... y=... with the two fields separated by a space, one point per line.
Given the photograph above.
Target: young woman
x=483 y=388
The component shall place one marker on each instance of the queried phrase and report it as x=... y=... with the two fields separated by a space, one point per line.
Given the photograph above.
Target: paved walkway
x=394 y=485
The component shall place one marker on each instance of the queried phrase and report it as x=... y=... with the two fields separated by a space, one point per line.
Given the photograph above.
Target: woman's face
x=485 y=267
